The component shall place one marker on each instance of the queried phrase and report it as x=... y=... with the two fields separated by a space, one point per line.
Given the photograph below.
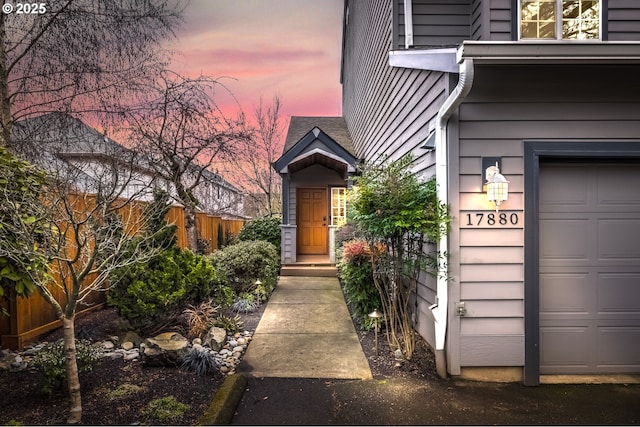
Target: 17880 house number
x=492 y=219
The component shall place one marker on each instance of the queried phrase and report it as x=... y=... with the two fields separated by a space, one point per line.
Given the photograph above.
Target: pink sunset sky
x=289 y=48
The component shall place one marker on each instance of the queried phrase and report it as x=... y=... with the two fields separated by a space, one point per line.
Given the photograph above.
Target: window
x=338 y=206
x=580 y=19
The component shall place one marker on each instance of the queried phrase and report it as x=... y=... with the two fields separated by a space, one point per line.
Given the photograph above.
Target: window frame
x=558 y=24
x=342 y=200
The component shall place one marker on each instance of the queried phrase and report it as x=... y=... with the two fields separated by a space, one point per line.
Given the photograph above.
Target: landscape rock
x=132 y=337
x=108 y=345
x=127 y=345
x=132 y=354
x=215 y=338
x=167 y=349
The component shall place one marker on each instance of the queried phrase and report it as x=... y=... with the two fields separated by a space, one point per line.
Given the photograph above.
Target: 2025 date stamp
x=24 y=8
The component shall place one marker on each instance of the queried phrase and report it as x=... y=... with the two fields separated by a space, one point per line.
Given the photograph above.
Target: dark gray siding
x=436 y=23
x=624 y=20
x=448 y=23
x=389 y=111
x=506 y=106
x=491 y=20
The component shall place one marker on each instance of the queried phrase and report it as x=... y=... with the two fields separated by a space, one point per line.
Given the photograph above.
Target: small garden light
x=258 y=282
x=376 y=316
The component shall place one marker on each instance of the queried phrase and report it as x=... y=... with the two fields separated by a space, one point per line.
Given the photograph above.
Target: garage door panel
x=619 y=293
x=564 y=293
x=617 y=187
x=574 y=193
x=619 y=347
x=564 y=347
x=575 y=243
x=619 y=238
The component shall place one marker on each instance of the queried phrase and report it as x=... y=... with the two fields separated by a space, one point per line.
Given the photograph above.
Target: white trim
x=425 y=59
x=558 y=4
x=318 y=151
x=551 y=52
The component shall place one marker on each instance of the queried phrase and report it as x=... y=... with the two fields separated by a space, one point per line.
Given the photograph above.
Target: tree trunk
x=190 y=227
x=73 y=380
x=5 y=104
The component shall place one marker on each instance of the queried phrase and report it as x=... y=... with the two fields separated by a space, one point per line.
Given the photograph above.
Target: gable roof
x=303 y=132
x=334 y=127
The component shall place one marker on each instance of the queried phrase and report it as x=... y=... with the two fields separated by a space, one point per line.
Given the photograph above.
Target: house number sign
x=491 y=219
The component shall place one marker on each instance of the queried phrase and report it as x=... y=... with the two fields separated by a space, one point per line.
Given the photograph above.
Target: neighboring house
x=549 y=90
x=65 y=145
x=317 y=161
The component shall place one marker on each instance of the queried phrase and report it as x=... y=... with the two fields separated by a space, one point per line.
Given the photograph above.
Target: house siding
x=435 y=23
x=506 y=106
x=390 y=111
x=624 y=20
x=448 y=23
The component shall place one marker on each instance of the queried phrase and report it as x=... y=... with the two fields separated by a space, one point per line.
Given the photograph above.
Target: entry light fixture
x=497 y=185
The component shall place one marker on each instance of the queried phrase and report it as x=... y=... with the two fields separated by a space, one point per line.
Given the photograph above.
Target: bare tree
x=80 y=56
x=181 y=131
x=93 y=220
x=251 y=167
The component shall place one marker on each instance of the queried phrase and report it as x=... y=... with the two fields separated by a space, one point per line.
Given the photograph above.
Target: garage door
x=589 y=268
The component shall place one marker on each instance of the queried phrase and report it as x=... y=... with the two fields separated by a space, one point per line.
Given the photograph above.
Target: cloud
x=289 y=48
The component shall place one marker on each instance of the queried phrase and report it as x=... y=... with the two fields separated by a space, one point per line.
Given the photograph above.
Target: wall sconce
x=497 y=185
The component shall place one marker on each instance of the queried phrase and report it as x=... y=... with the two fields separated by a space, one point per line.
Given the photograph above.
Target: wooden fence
x=30 y=318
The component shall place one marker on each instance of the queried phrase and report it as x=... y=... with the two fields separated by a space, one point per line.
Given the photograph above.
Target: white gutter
x=408 y=24
x=439 y=309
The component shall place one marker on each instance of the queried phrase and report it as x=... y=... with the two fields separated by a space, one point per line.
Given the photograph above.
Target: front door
x=312 y=221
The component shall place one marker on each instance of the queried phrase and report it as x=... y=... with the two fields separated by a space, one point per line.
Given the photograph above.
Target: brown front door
x=312 y=221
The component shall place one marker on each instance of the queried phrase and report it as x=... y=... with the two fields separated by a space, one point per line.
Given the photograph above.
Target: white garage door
x=589 y=268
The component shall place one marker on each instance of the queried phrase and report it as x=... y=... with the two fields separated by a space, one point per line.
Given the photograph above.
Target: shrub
x=51 y=361
x=229 y=324
x=200 y=317
x=147 y=293
x=241 y=264
x=347 y=232
x=200 y=360
x=245 y=303
x=356 y=276
x=125 y=390
x=267 y=229
x=165 y=409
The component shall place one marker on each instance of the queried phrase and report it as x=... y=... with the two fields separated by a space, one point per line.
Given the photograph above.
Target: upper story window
x=560 y=19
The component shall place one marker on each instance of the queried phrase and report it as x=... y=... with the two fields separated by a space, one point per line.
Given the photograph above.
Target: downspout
x=439 y=309
x=408 y=24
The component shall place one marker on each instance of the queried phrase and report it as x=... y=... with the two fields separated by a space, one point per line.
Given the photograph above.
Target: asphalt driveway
x=299 y=401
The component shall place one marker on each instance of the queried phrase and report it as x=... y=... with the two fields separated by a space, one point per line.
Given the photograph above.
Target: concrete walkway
x=306 y=332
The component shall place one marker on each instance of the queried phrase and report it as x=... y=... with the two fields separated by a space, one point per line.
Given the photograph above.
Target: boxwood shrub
x=267 y=229
x=240 y=265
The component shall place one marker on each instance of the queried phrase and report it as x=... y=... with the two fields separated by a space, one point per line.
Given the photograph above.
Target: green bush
x=165 y=409
x=51 y=361
x=267 y=229
x=356 y=276
x=242 y=264
x=147 y=293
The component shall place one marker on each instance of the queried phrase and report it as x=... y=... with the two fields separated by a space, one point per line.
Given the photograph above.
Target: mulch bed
x=23 y=402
